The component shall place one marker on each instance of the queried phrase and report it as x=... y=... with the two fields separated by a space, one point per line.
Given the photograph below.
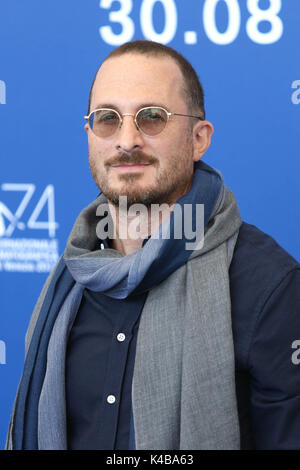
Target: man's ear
x=202 y=133
x=86 y=126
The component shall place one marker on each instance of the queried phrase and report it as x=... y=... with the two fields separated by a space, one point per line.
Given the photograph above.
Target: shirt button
x=121 y=337
x=111 y=399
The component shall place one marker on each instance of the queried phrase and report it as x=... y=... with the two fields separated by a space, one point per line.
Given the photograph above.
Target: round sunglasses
x=151 y=120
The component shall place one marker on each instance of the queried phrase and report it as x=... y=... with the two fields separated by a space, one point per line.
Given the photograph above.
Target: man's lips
x=130 y=166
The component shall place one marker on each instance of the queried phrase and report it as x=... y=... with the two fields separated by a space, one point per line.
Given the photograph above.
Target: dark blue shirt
x=265 y=296
x=100 y=361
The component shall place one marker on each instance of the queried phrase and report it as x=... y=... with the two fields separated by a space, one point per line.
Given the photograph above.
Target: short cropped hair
x=193 y=89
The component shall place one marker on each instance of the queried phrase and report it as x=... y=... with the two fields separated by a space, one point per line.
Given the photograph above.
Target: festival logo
x=18 y=252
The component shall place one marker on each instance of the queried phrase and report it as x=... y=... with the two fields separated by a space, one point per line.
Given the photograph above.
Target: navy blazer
x=265 y=297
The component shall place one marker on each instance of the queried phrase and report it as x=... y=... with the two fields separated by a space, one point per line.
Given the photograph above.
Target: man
x=146 y=339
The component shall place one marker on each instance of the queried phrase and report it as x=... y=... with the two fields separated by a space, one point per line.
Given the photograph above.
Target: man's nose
x=128 y=136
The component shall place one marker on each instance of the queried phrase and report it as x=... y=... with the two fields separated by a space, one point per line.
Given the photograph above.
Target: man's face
x=146 y=169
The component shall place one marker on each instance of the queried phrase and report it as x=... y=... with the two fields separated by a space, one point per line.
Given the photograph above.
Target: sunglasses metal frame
x=135 y=118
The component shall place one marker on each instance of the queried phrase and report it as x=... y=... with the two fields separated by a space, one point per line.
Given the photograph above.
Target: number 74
x=32 y=223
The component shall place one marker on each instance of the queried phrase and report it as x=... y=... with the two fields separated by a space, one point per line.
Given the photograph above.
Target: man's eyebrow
x=152 y=104
x=140 y=106
x=106 y=105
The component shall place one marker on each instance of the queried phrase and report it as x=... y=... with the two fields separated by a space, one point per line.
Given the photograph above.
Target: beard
x=170 y=182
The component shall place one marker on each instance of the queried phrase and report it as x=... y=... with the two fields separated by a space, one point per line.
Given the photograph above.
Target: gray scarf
x=183 y=391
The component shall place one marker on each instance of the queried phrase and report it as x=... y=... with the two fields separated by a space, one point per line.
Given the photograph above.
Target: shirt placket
x=113 y=384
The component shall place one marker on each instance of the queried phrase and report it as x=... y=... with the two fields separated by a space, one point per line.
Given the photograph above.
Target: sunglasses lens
x=104 y=122
x=152 y=121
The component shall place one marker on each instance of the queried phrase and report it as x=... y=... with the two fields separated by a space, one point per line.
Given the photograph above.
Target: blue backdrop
x=246 y=53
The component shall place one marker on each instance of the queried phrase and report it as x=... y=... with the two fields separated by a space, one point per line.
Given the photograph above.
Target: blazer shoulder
x=258 y=269
x=261 y=251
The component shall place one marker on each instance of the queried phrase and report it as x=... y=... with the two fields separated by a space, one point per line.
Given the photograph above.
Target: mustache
x=131 y=157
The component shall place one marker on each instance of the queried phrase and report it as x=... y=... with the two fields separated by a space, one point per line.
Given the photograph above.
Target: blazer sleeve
x=274 y=365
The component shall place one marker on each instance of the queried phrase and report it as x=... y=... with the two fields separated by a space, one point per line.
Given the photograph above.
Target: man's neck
x=132 y=229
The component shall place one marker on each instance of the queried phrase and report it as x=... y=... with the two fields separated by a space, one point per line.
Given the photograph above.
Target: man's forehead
x=137 y=76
